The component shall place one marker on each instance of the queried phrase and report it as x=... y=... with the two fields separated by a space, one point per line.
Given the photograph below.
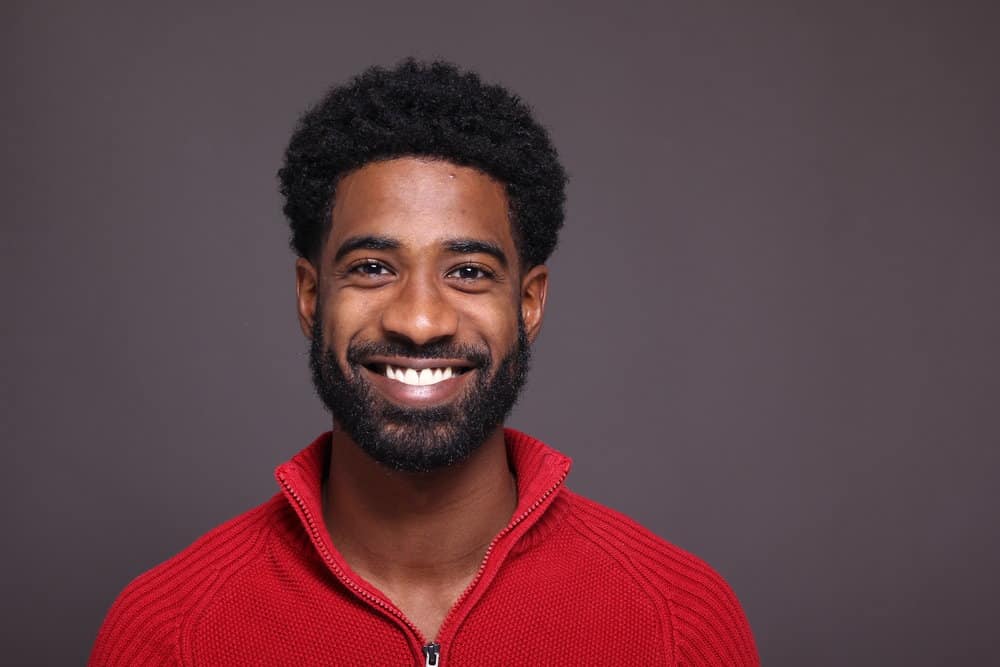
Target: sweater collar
x=540 y=473
x=539 y=469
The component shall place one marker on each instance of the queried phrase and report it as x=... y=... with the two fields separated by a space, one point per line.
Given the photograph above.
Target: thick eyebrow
x=474 y=246
x=367 y=242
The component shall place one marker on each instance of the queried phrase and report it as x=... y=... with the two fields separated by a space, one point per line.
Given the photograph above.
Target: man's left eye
x=469 y=272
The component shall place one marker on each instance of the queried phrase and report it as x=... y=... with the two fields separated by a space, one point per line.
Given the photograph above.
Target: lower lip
x=418 y=396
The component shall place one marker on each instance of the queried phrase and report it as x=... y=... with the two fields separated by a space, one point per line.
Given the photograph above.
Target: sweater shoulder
x=144 y=623
x=705 y=618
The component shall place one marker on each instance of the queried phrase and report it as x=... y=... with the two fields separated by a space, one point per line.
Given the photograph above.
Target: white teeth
x=423 y=377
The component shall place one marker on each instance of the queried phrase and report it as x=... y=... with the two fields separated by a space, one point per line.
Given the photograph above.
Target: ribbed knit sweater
x=567 y=582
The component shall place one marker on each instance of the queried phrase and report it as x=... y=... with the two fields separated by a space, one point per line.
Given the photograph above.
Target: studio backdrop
x=773 y=322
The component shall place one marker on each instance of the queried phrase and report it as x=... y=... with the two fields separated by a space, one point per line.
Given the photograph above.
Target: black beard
x=418 y=439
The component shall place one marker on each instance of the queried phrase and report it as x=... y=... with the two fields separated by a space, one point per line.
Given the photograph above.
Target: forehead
x=420 y=201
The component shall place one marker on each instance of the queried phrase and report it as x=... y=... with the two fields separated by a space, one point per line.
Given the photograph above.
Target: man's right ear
x=307 y=293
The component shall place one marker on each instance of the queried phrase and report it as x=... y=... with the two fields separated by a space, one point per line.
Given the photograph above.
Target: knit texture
x=567 y=582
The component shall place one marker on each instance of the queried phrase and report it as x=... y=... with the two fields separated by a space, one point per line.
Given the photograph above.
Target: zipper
x=432 y=651
x=431 y=654
x=347 y=581
x=489 y=550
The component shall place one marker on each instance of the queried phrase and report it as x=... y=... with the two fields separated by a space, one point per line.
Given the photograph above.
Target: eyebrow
x=367 y=242
x=475 y=246
x=461 y=246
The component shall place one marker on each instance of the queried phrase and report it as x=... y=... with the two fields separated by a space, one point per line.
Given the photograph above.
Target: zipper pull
x=431 y=654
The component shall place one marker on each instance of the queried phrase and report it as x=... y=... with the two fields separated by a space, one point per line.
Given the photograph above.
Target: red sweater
x=567 y=582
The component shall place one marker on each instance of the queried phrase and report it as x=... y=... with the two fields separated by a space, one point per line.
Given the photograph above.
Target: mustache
x=359 y=353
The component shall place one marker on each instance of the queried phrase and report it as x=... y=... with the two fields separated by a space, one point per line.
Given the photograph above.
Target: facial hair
x=418 y=439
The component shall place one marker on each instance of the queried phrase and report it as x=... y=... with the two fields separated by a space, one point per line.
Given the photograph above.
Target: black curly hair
x=432 y=110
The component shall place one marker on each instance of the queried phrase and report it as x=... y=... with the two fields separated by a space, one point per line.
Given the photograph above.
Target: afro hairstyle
x=431 y=110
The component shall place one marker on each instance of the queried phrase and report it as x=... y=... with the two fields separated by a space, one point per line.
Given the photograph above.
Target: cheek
x=495 y=322
x=344 y=319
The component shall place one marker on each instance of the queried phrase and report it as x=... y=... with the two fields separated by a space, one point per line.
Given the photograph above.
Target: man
x=423 y=205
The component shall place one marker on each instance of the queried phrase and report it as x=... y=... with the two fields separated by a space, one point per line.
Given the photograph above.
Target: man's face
x=419 y=313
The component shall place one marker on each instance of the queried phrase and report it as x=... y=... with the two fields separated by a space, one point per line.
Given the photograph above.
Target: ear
x=534 y=286
x=307 y=293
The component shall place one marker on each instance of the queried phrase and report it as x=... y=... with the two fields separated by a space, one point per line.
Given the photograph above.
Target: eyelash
x=357 y=266
x=486 y=274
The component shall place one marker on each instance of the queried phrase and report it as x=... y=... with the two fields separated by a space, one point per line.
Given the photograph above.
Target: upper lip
x=417 y=363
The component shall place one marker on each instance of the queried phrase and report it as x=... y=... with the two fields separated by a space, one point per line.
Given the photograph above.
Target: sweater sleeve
x=710 y=628
x=145 y=625
x=704 y=623
x=137 y=630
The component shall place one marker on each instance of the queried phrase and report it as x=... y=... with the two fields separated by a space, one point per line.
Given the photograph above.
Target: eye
x=370 y=268
x=470 y=272
x=368 y=273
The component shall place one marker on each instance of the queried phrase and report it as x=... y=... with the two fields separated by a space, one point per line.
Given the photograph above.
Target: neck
x=397 y=528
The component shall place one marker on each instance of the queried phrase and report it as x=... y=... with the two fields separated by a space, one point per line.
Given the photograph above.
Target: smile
x=419 y=383
x=422 y=376
x=409 y=374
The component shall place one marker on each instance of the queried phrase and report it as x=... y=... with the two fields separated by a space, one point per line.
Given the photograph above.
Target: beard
x=418 y=439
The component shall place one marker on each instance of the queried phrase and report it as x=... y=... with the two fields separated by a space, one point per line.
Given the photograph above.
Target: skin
x=419 y=537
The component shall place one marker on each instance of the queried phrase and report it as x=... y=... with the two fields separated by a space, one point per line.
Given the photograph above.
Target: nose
x=419 y=312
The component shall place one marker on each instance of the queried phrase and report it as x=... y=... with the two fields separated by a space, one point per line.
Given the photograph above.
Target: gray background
x=773 y=324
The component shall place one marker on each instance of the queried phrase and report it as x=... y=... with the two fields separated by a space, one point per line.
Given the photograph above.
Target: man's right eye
x=370 y=268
